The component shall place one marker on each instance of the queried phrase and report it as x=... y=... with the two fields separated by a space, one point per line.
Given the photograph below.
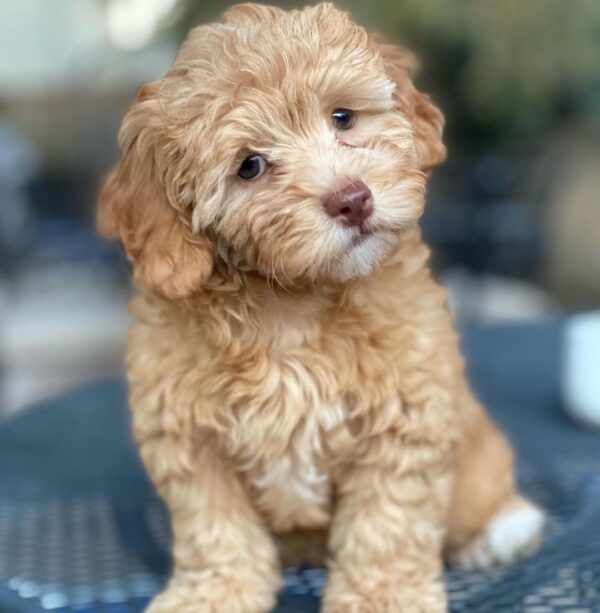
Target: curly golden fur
x=288 y=372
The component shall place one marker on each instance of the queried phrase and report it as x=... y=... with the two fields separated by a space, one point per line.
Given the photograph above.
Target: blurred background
x=513 y=216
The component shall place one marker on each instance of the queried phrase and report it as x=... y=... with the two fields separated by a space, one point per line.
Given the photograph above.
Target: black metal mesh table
x=81 y=529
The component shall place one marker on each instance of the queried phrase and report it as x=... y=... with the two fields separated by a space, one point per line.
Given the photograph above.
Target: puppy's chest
x=293 y=487
x=305 y=429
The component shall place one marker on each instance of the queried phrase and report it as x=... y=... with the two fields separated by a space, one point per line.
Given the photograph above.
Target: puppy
x=292 y=364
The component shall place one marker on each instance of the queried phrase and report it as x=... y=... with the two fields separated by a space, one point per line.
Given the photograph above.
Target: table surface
x=81 y=528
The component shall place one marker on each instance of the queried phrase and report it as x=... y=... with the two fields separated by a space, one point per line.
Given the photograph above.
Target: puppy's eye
x=343 y=119
x=252 y=167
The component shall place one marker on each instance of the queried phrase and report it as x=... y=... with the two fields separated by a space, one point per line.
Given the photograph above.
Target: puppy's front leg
x=386 y=539
x=224 y=558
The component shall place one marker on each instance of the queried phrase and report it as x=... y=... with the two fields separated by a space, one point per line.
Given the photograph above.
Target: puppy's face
x=288 y=144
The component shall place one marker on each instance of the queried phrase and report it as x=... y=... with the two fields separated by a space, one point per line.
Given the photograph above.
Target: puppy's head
x=288 y=144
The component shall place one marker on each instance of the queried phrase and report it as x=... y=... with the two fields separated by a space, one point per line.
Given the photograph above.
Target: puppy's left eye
x=252 y=167
x=343 y=119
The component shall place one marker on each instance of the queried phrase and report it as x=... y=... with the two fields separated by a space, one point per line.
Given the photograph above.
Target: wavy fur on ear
x=168 y=258
x=426 y=119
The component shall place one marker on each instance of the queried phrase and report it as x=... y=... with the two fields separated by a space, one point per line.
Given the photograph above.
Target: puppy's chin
x=365 y=254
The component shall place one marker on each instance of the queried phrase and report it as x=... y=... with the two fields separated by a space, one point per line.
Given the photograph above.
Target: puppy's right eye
x=252 y=167
x=343 y=119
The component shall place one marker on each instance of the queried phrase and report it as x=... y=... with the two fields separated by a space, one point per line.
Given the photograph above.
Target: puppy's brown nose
x=353 y=203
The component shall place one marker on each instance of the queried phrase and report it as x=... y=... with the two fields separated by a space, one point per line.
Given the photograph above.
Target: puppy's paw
x=211 y=593
x=393 y=596
x=513 y=533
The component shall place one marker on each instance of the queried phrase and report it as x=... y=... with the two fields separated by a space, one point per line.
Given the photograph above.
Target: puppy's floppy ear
x=249 y=13
x=426 y=119
x=133 y=206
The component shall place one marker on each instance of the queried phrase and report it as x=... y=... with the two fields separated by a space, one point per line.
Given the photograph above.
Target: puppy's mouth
x=361 y=235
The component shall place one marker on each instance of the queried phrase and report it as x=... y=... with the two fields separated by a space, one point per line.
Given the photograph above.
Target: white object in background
x=581 y=376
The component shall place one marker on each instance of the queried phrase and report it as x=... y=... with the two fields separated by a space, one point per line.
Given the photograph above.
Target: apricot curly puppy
x=292 y=363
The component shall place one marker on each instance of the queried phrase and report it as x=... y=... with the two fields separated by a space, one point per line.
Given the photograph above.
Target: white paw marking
x=513 y=533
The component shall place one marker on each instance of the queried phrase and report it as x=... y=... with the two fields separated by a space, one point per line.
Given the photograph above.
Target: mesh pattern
x=86 y=555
